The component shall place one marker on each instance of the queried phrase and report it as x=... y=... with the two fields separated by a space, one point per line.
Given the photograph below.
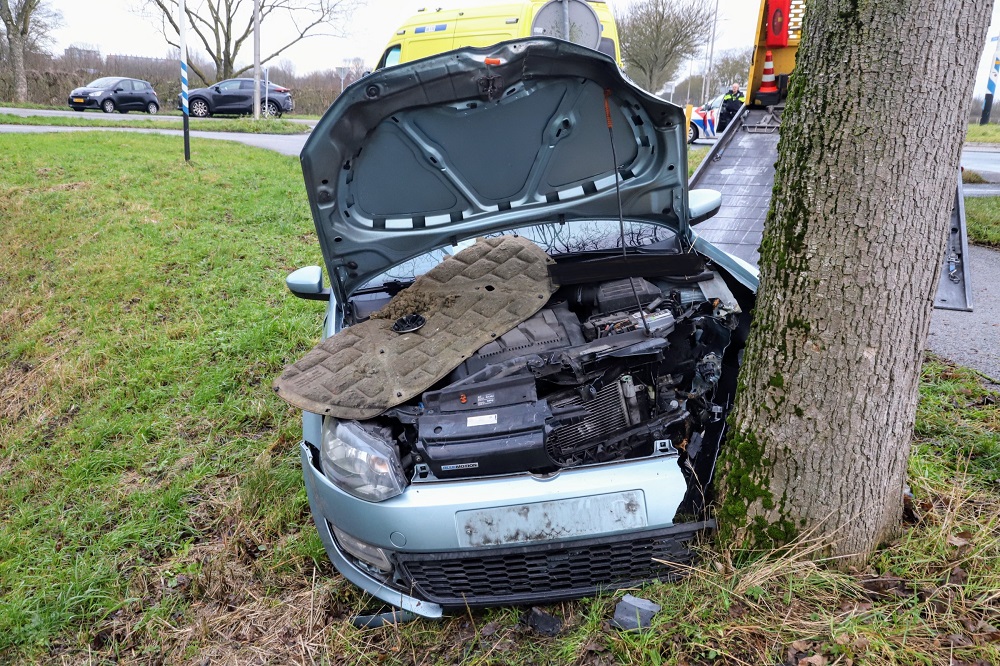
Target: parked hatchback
x=528 y=354
x=113 y=93
x=235 y=96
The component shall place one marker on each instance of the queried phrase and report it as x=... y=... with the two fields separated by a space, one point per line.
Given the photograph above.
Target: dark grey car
x=114 y=93
x=235 y=96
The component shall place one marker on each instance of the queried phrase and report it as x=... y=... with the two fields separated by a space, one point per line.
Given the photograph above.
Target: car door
x=228 y=97
x=246 y=96
x=134 y=92
x=144 y=94
x=120 y=93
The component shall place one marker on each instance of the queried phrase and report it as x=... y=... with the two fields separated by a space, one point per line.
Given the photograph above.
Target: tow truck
x=741 y=163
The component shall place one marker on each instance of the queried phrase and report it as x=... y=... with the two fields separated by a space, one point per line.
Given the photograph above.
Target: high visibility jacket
x=730 y=97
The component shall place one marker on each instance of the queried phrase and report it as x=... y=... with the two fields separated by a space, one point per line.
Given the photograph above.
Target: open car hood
x=479 y=140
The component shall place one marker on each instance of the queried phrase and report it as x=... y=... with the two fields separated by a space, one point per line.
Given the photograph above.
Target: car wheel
x=108 y=106
x=692 y=133
x=271 y=110
x=152 y=108
x=199 y=108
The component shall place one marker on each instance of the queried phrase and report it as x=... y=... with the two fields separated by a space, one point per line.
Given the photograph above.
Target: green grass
x=982 y=219
x=696 y=155
x=151 y=502
x=984 y=133
x=249 y=125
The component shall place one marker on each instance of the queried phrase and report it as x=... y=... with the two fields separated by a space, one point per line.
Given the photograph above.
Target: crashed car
x=528 y=353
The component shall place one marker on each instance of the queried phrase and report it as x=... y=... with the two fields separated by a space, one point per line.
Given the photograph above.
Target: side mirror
x=216 y=89
x=703 y=204
x=307 y=283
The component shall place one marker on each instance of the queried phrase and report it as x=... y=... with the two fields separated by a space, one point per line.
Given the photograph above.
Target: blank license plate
x=559 y=519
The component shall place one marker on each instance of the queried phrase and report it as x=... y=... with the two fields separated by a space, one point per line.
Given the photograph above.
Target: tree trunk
x=16 y=22
x=853 y=244
x=16 y=43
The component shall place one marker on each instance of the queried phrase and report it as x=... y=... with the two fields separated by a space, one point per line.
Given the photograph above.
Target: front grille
x=549 y=572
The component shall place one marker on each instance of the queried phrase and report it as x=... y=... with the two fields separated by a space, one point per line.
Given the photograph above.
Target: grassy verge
x=984 y=133
x=982 y=218
x=249 y=125
x=696 y=155
x=151 y=500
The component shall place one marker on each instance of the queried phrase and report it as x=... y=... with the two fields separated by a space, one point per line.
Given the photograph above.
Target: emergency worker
x=731 y=103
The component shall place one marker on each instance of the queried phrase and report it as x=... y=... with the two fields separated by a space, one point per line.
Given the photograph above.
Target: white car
x=705 y=120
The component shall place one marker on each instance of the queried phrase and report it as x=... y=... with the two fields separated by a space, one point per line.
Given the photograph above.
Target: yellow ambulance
x=432 y=31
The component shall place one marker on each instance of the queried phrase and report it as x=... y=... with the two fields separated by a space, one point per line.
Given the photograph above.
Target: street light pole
x=711 y=53
x=256 y=59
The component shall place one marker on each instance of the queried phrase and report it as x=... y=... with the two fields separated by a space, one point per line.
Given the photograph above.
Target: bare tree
x=658 y=35
x=732 y=66
x=849 y=263
x=223 y=27
x=26 y=25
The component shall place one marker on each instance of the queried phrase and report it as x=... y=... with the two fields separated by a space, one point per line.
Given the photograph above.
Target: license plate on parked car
x=78 y=100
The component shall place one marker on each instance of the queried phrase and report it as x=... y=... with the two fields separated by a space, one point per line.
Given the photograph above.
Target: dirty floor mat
x=467 y=300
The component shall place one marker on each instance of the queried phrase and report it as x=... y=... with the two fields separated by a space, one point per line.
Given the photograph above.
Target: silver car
x=528 y=354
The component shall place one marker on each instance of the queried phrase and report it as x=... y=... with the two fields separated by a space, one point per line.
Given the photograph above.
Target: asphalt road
x=984 y=159
x=971 y=339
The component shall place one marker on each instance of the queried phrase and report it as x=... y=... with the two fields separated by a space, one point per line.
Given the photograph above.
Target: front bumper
x=84 y=102
x=433 y=535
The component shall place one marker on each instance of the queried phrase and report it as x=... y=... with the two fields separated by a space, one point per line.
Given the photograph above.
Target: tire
x=199 y=108
x=152 y=108
x=108 y=105
x=692 y=133
x=271 y=110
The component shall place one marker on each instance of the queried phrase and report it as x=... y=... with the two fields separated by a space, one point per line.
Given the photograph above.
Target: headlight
x=360 y=463
x=97 y=93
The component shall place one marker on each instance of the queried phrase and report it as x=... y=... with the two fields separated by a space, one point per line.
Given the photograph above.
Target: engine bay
x=605 y=371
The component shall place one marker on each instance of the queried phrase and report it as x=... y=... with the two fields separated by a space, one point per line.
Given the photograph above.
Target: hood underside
x=475 y=141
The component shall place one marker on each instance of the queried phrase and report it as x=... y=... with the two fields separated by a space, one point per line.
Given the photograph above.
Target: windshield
x=555 y=239
x=103 y=82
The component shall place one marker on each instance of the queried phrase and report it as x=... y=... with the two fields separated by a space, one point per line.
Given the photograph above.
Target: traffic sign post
x=991 y=85
x=184 y=83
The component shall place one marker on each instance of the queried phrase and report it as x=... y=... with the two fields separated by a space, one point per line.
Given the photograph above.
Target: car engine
x=605 y=371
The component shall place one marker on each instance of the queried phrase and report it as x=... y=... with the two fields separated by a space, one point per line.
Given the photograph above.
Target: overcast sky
x=115 y=28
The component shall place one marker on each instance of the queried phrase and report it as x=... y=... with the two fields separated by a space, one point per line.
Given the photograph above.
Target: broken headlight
x=359 y=462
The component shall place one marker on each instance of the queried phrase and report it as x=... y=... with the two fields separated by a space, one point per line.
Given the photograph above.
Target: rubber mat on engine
x=466 y=301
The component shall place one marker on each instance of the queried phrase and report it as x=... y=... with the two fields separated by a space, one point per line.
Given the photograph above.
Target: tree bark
x=853 y=244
